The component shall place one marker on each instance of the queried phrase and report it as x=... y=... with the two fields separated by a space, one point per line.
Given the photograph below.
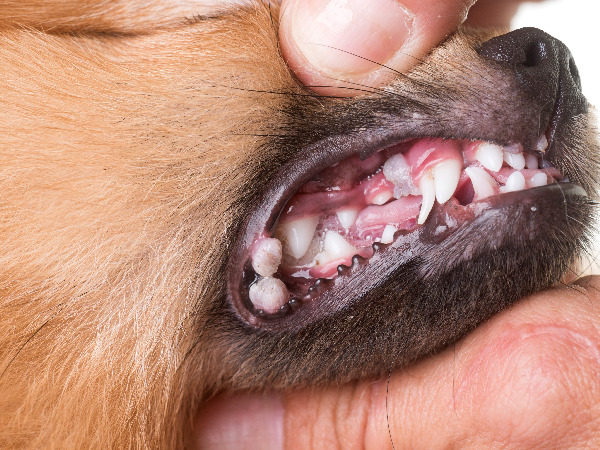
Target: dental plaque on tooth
x=355 y=208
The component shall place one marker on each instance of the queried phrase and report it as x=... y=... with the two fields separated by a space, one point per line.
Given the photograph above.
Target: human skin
x=527 y=378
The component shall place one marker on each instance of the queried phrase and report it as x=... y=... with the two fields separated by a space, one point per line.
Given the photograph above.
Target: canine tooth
x=397 y=170
x=336 y=247
x=387 y=236
x=531 y=161
x=515 y=160
x=427 y=186
x=268 y=294
x=382 y=198
x=347 y=216
x=267 y=257
x=483 y=183
x=299 y=234
x=446 y=175
x=539 y=179
x=490 y=156
x=515 y=182
x=542 y=144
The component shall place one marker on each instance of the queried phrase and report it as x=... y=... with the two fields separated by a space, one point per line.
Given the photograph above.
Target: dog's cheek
x=119 y=174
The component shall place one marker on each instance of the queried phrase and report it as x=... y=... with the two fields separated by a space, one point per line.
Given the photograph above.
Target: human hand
x=528 y=378
x=342 y=47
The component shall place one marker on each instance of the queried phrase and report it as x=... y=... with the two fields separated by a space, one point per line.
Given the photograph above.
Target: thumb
x=340 y=46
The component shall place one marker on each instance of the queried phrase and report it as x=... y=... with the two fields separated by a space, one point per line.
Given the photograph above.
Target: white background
x=577 y=24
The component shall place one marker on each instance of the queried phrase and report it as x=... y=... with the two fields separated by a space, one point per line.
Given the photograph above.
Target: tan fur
x=127 y=133
x=113 y=153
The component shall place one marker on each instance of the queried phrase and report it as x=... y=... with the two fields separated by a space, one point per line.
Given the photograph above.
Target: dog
x=144 y=159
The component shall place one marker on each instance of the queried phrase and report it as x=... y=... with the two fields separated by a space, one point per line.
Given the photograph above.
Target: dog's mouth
x=352 y=216
x=337 y=222
x=348 y=212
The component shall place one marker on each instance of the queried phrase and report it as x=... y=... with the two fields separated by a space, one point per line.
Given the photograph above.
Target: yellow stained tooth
x=446 y=175
x=427 y=186
x=268 y=294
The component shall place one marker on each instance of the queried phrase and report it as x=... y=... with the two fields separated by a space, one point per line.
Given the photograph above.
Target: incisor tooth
x=515 y=160
x=298 y=235
x=446 y=175
x=490 y=156
x=531 y=161
x=427 y=186
x=539 y=179
x=387 y=237
x=483 y=183
x=515 y=182
x=382 y=198
x=268 y=294
x=347 y=216
x=336 y=247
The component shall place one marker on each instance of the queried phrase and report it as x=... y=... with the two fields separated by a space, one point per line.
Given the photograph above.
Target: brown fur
x=123 y=150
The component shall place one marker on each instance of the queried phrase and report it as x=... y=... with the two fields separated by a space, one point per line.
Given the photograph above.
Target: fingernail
x=349 y=36
x=243 y=421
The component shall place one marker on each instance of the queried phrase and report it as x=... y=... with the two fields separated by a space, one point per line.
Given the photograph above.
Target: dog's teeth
x=490 y=156
x=268 y=294
x=347 y=216
x=446 y=175
x=267 y=257
x=531 y=161
x=542 y=144
x=483 y=184
x=515 y=160
x=539 y=179
x=397 y=171
x=515 y=182
x=336 y=247
x=382 y=198
x=513 y=148
x=387 y=237
x=299 y=234
x=427 y=186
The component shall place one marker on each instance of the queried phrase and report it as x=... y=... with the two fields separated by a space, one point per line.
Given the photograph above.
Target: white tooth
x=347 y=216
x=427 y=186
x=267 y=257
x=531 y=161
x=542 y=144
x=515 y=160
x=515 y=182
x=539 y=179
x=483 y=183
x=336 y=247
x=382 y=198
x=490 y=156
x=268 y=294
x=298 y=235
x=387 y=237
x=446 y=175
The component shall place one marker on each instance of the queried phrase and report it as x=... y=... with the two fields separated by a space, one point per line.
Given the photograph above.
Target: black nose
x=544 y=67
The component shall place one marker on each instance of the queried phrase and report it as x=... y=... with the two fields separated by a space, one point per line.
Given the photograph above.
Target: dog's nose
x=543 y=65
